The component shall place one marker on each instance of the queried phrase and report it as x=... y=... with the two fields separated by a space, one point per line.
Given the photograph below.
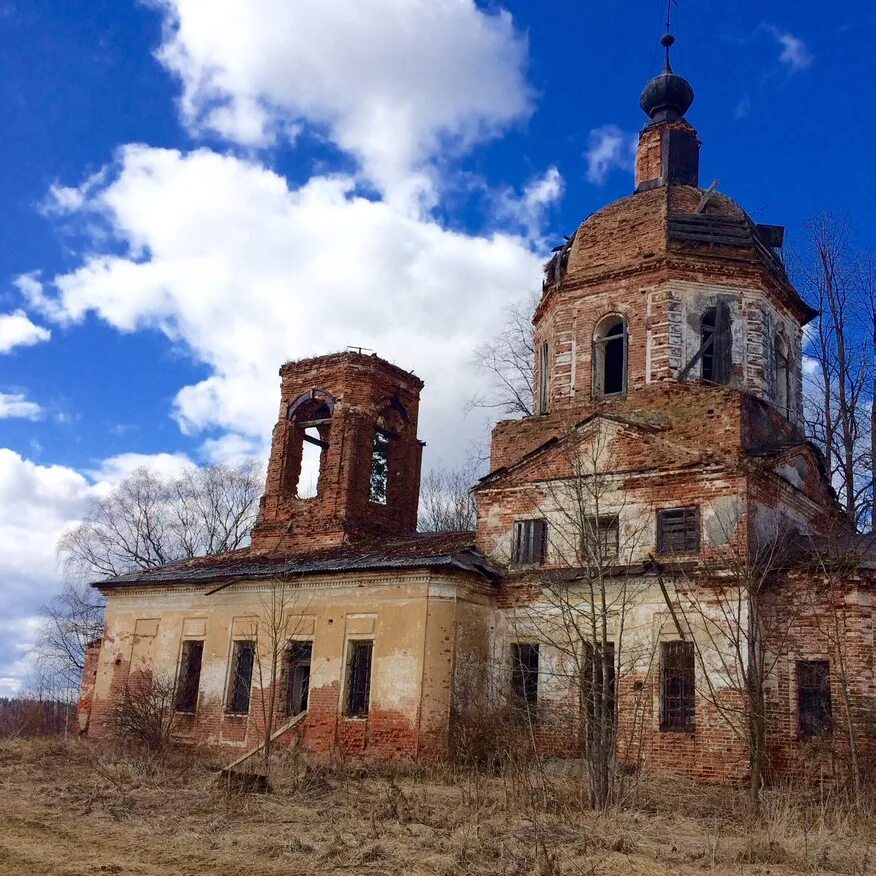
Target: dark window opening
x=379 y=488
x=359 y=679
x=783 y=375
x=189 y=676
x=297 y=676
x=678 y=701
x=243 y=659
x=601 y=539
x=544 y=379
x=813 y=698
x=524 y=674
x=610 y=357
x=599 y=689
x=530 y=537
x=678 y=531
x=716 y=343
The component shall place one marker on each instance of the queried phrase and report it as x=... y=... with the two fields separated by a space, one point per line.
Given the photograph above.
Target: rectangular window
x=599 y=688
x=813 y=697
x=529 y=542
x=524 y=674
x=380 y=468
x=359 y=679
x=297 y=676
x=679 y=692
x=678 y=531
x=544 y=379
x=601 y=537
x=243 y=659
x=189 y=676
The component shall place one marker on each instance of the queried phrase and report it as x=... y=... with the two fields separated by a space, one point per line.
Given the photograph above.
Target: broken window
x=297 y=676
x=524 y=675
x=544 y=379
x=359 y=678
x=530 y=538
x=599 y=688
x=716 y=344
x=243 y=659
x=813 y=697
x=783 y=375
x=678 y=531
x=379 y=468
x=600 y=541
x=189 y=676
x=610 y=357
x=309 y=427
x=678 y=699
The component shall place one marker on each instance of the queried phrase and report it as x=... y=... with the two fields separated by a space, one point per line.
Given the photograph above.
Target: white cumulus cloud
x=392 y=82
x=17 y=405
x=16 y=330
x=609 y=148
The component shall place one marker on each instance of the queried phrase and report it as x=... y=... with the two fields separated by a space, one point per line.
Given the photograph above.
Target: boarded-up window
x=297 y=676
x=813 y=697
x=678 y=700
x=243 y=658
x=189 y=676
x=600 y=539
x=678 y=531
x=529 y=542
x=359 y=678
x=379 y=489
x=599 y=689
x=524 y=674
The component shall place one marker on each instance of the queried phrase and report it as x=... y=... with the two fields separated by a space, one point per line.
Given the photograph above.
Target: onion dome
x=667 y=96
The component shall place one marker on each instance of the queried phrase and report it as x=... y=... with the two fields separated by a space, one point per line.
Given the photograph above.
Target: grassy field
x=74 y=808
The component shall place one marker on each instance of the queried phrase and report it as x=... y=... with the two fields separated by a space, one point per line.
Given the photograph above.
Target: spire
x=668 y=96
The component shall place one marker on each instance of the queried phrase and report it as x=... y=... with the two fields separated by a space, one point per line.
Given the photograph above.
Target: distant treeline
x=22 y=716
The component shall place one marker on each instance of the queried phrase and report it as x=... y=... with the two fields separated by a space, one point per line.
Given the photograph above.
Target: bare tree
x=447 y=503
x=509 y=363
x=70 y=621
x=839 y=407
x=148 y=520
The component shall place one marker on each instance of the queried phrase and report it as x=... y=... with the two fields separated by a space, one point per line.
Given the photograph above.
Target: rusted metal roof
x=453 y=550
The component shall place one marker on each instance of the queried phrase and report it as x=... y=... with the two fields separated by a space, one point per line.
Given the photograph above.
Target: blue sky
x=194 y=192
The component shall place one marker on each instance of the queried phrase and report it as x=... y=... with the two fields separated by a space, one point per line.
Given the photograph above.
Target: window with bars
x=524 y=674
x=297 y=676
x=243 y=659
x=359 y=678
x=678 y=694
x=530 y=538
x=678 y=531
x=599 y=688
x=813 y=698
x=601 y=538
x=189 y=677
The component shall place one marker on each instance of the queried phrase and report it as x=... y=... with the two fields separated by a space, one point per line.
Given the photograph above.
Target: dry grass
x=75 y=808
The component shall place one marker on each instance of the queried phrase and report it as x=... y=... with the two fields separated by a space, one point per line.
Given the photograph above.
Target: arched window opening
x=544 y=379
x=310 y=418
x=716 y=345
x=783 y=377
x=389 y=426
x=610 y=357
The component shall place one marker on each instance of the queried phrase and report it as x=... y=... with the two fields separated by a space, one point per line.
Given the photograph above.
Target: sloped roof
x=450 y=550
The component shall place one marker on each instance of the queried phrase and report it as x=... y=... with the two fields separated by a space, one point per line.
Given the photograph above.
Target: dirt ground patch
x=74 y=809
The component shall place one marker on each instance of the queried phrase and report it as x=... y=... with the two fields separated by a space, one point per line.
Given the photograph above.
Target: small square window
x=678 y=531
x=530 y=538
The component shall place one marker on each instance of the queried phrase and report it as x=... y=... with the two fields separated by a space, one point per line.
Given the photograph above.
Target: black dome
x=667 y=96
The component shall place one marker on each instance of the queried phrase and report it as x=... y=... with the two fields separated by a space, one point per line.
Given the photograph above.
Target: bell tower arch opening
x=309 y=420
x=610 y=356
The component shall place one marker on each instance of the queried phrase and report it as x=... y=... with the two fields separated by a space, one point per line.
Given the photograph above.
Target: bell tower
x=345 y=457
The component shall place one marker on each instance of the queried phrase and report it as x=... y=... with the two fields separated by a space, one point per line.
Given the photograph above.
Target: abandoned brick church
x=658 y=535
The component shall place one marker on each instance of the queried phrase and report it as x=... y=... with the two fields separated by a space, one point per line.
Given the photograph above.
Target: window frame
x=383 y=438
x=601 y=339
x=523 y=551
x=544 y=378
x=596 y=528
x=237 y=646
x=592 y=658
x=184 y=685
x=782 y=366
x=688 y=511
x=290 y=664
x=683 y=702
x=820 y=689
x=350 y=686
x=524 y=677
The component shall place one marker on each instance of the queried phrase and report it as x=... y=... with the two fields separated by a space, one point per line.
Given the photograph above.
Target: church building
x=657 y=545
